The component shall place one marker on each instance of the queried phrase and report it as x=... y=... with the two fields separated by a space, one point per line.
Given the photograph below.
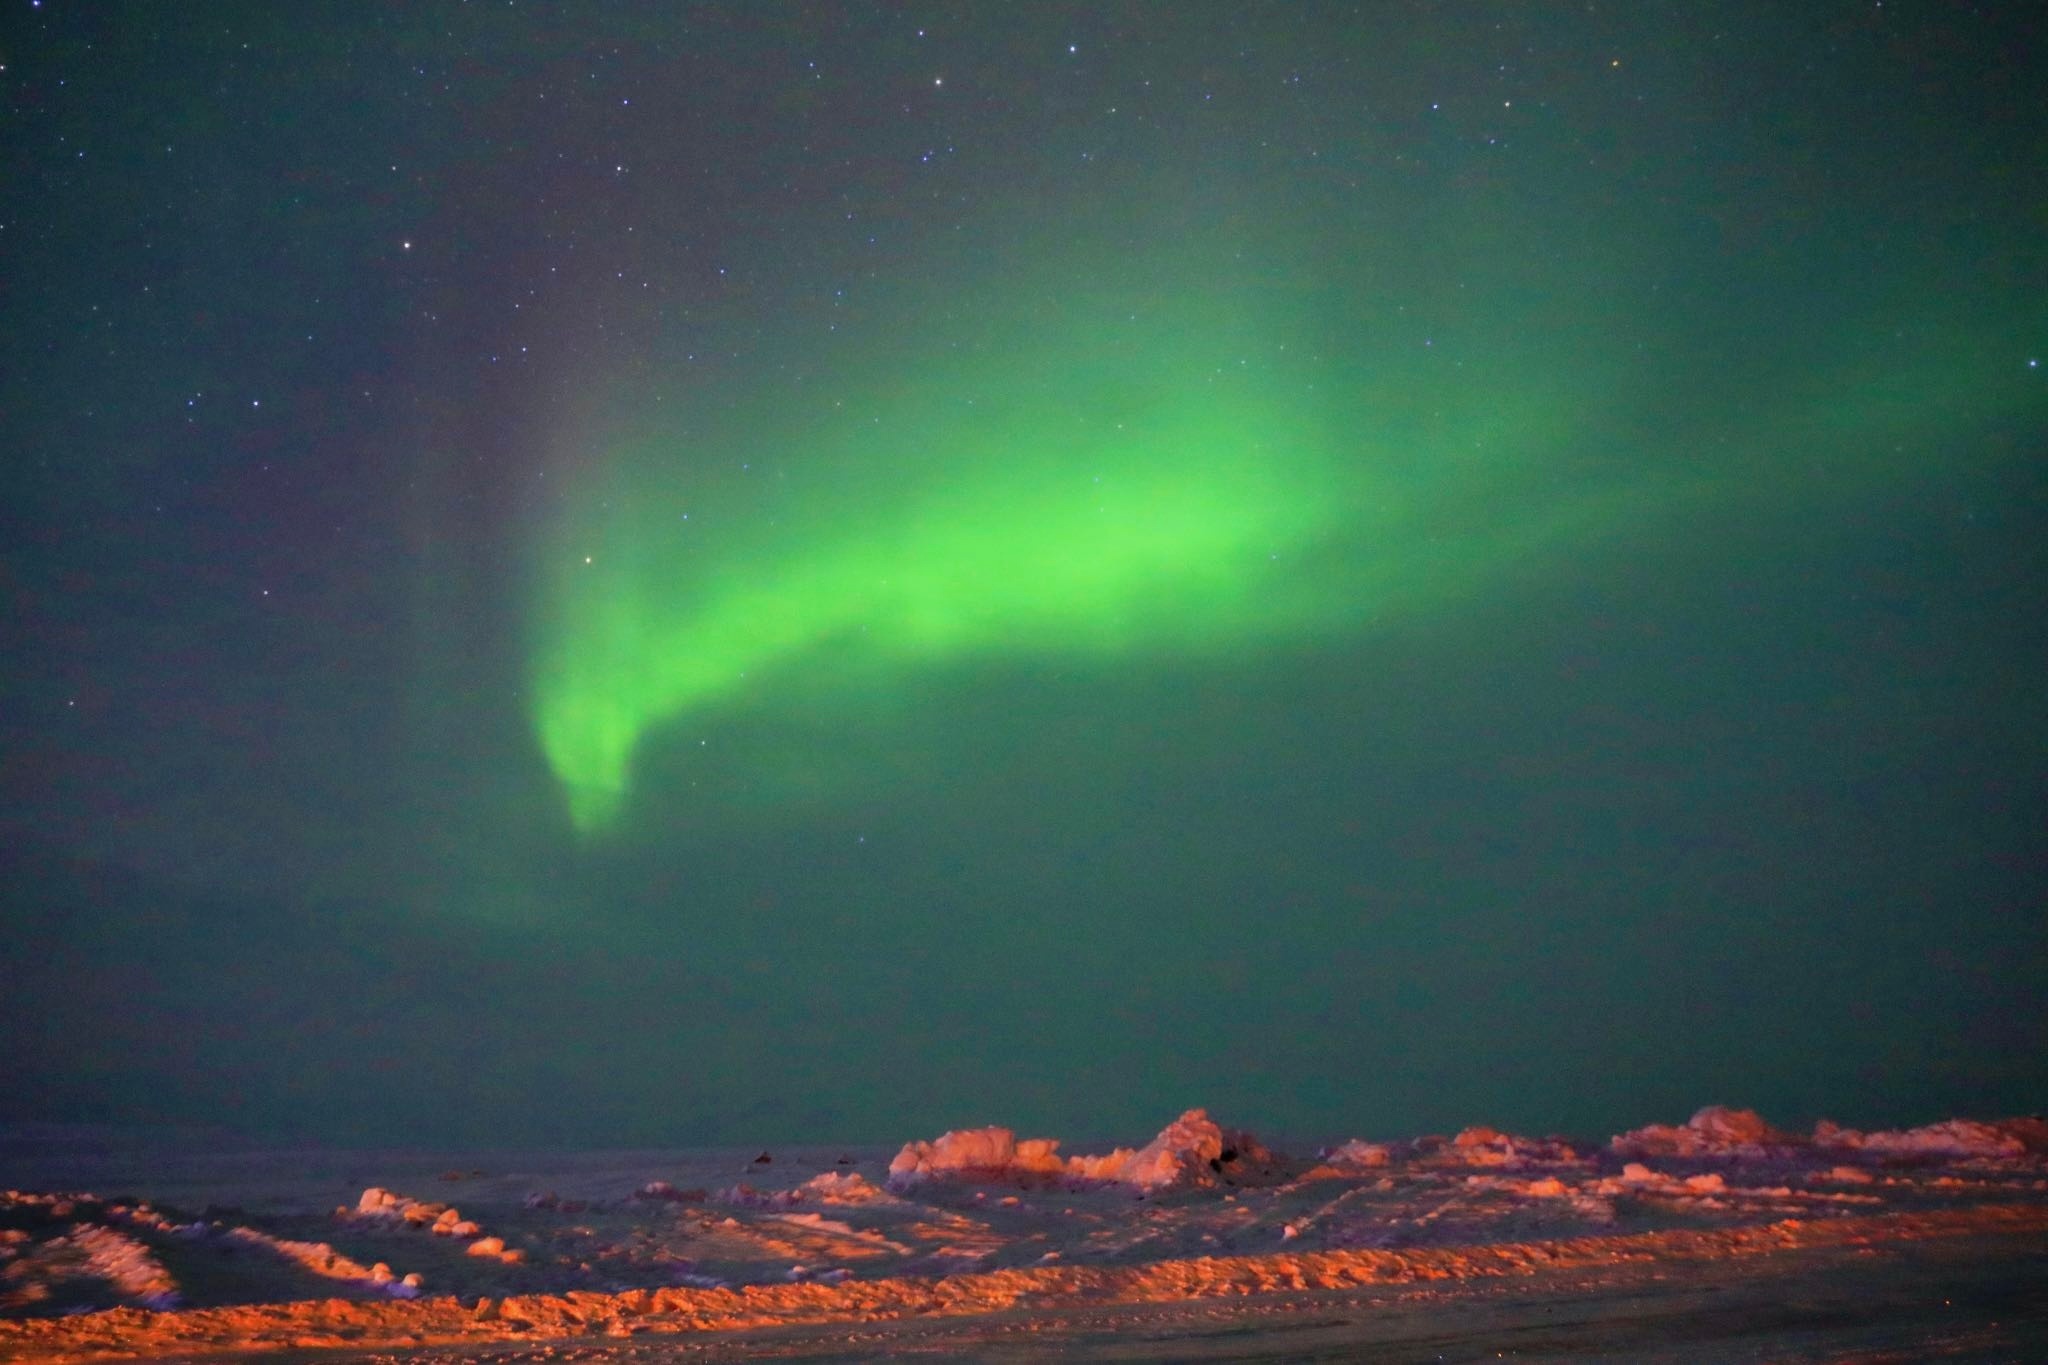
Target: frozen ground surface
x=1717 y=1239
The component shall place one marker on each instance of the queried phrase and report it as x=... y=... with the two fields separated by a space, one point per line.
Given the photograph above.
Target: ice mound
x=441 y=1219
x=1193 y=1149
x=654 y=1190
x=1714 y=1131
x=745 y=1196
x=850 y=1187
x=976 y=1153
x=1359 y=1155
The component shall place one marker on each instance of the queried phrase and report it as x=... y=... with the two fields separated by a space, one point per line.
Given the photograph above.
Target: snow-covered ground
x=1203 y=1241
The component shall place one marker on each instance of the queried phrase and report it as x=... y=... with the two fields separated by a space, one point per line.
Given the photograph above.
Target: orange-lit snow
x=258 y=1252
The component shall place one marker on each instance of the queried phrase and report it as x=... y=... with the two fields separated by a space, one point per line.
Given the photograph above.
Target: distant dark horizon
x=754 y=574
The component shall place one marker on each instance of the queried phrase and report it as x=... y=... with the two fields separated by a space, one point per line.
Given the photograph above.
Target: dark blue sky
x=1694 y=755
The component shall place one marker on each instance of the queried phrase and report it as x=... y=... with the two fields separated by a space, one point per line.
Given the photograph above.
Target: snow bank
x=656 y=1190
x=850 y=1187
x=832 y=1187
x=1193 y=1149
x=87 y=1257
x=1480 y=1145
x=1953 y=1139
x=1740 y=1133
x=320 y=1258
x=130 y=1267
x=1714 y=1131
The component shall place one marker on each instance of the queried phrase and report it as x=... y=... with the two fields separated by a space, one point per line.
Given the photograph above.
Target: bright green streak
x=1149 y=514
x=1090 y=486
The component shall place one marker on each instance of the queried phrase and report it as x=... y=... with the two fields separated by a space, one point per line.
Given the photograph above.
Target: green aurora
x=1107 y=475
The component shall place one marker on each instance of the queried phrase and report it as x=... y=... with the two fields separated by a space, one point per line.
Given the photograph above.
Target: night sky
x=674 y=574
